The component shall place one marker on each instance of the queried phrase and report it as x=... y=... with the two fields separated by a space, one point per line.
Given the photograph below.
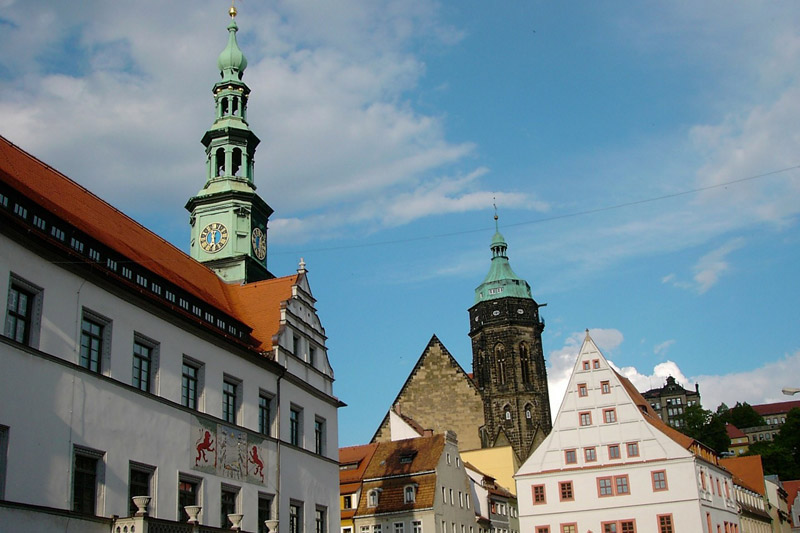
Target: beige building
x=671 y=401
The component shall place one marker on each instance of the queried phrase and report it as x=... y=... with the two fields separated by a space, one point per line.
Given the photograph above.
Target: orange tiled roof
x=255 y=304
x=79 y=207
x=355 y=454
x=388 y=459
x=748 y=469
x=792 y=488
x=258 y=304
x=652 y=417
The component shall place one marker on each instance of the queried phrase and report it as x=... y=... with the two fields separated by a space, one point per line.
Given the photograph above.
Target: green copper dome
x=231 y=61
x=501 y=281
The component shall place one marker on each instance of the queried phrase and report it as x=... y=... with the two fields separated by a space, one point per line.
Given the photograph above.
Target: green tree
x=706 y=427
x=742 y=415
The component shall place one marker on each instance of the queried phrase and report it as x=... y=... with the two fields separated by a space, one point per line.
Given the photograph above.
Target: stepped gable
x=427 y=398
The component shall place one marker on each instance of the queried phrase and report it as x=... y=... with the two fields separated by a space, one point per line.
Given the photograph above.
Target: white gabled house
x=611 y=465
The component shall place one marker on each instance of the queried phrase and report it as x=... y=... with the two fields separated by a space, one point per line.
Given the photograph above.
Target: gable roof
x=792 y=488
x=748 y=470
x=256 y=304
x=634 y=419
x=435 y=348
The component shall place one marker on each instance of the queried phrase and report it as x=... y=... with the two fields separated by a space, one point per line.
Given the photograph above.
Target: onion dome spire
x=501 y=281
x=231 y=61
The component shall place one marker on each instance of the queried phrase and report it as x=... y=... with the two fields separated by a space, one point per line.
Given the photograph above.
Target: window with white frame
x=410 y=493
x=373 y=497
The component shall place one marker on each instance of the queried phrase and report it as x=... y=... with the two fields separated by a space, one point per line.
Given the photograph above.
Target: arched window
x=525 y=362
x=372 y=498
x=237 y=161
x=507 y=413
x=220 y=162
x=235 y=110
x=410 y=493
x=500 y=358
x=224 y=106
x=528 y=413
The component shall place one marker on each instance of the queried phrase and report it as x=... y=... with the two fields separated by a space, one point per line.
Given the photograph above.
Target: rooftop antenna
x=494 y=204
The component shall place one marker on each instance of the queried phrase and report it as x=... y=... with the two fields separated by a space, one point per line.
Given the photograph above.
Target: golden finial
x=232 y=10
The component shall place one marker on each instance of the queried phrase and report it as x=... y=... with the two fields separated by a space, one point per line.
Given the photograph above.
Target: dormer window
x=410 y=494
x=372 y=497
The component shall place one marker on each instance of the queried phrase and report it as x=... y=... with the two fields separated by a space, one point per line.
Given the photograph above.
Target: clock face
x=214 y=237
x=259 y=243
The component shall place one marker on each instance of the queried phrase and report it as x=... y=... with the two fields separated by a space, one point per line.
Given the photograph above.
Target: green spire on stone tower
x=231 y=61
x=229 y=220
x=501 y=281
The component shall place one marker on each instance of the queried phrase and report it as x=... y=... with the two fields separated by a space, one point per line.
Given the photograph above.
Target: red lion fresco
x=204 y=445
x=259 y=471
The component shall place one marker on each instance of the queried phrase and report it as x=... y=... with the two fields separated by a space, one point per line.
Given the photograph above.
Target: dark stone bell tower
x=507 y=358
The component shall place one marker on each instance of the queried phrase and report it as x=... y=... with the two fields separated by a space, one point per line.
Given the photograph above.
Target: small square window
x=586 y=365
x=585 y=418
x=583 y=391
x=609 y=415
x=565 y=491
x=659 y=480
x=596 y=363
x=590 y=454
x=633 y=449
x=570 y=457
x=605 y=387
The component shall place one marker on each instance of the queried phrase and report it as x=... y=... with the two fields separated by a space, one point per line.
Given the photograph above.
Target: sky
x=642 y=156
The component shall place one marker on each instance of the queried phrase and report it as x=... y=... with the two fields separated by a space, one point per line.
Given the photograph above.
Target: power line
x=545 y=219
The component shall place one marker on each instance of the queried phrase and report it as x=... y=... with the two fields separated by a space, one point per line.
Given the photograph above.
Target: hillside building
x=612 y=465
x=129 y=369
x=671 y=400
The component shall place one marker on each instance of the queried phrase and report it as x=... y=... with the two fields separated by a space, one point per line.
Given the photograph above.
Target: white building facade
x=128 y=368
x=611 y=465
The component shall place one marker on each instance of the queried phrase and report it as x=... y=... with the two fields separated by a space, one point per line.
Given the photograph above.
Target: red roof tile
x=259 y=305
x=792 y=488
x=361 y=455
x=734 y=432
x=748 y=469
x=406 y=456
x=765 y=409
x=652 y=417
x=255 y=304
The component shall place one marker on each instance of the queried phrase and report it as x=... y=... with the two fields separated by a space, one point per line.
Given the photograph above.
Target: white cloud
x=762 y=384
x=663 y=347
x=708 y=269
x=329 y=102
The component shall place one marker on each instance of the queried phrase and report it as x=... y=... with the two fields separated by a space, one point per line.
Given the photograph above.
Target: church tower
x=507 y=358
x=229 y=220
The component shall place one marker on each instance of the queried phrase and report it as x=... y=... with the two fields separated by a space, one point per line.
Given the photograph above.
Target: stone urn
x=141 y=503
x=236 y=520
x=272 y=525
x=193 y=511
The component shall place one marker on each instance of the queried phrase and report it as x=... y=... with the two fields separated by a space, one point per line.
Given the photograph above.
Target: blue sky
x=388 y=129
